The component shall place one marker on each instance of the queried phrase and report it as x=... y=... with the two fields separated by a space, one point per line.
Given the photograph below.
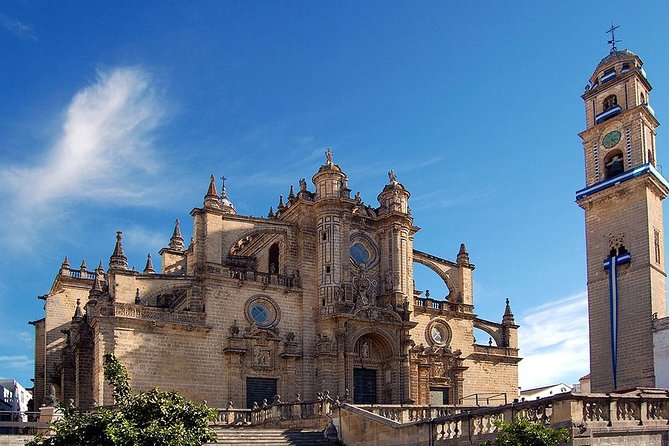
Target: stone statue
x=303 y=185
x=364 y=349
x=328 y=156
x=392 y=176
x=51 y=399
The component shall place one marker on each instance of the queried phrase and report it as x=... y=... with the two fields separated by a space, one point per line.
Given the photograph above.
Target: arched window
x=610 y=102
x=614 y=163
x=273 y=259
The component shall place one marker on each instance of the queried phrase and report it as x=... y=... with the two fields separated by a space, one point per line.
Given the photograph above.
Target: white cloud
x=102 y=154
x=17 y=27
x=16 y=362
x=554 y=342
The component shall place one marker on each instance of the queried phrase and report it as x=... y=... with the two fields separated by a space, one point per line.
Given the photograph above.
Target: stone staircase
x=269 y=437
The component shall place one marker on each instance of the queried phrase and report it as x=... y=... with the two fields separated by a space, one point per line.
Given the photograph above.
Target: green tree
x=153 y=418
x=522 y=432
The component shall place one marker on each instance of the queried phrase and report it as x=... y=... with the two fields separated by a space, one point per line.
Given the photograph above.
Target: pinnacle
x=77 y=311
x=149 y=265
x=177 y=241
x=212 y=192
x=118 y=260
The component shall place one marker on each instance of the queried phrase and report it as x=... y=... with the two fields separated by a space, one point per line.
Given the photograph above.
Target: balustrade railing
x=265 y=278
x=586 y=411
x=277 y=411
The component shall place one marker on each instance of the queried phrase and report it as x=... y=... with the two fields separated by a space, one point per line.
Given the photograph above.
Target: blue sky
x=114 y=114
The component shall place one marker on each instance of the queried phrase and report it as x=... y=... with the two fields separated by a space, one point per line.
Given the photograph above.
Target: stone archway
x=373 y=368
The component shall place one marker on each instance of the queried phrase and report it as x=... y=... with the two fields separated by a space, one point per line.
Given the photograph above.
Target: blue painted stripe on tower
x=625 y=176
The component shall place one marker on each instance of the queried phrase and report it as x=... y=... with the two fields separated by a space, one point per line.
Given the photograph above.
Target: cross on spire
x=223 y=178
x=613 y=40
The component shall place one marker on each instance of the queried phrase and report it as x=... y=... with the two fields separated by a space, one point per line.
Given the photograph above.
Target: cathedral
x=317 y=297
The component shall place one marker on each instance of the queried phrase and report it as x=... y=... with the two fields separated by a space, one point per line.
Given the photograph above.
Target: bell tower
x=623 y=223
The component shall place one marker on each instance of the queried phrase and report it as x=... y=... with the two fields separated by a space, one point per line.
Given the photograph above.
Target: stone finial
x=271 y=213
x=281 y=206
x=508 y=318
x=83 y=266
x=177 y=241
x=66 y=263
x=118 y=260
x=100 y=268
x=291 y=194
x=463 y=255
x=211 y=198
x=77 y=311
x=148 y=269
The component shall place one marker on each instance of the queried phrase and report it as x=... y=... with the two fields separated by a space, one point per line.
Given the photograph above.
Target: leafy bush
x=525 y=433
x=153 y=418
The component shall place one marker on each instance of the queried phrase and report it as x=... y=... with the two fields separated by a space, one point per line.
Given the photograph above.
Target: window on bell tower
x=610 y=102
x=614 y=164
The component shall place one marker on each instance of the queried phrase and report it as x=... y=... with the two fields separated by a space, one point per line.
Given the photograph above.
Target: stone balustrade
x=265 y=278
x=642 y=417
x=275 y=412
x=155 y=314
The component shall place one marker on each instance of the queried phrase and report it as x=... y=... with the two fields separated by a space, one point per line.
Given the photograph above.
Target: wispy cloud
x=16 y=361
x=103 y=154
x=17 y=27
x=554 y=342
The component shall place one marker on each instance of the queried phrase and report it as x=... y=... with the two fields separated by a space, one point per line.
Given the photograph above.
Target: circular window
x=359 y=254
x=262 y=311
x=259 y=314
x=438 y=333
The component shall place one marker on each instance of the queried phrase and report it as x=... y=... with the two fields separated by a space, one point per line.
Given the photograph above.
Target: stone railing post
x=567 y=411
x=613 y=410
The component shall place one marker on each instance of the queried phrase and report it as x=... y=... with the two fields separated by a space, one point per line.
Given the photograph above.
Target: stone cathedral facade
x=319 y=296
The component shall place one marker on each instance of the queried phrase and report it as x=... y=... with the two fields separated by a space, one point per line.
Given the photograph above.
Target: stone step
x=269 y=437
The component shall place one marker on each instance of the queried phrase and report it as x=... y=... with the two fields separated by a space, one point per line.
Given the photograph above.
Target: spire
x=77 y=311
x=291 y=194
x=83 y=266
x=211 y=199
x=463 y=255
x=281 y=206
x=271 y=213
x=177 y=241
x=66 y=263
x=148 y=269
x=508 y=318
x=118 y=260
x=100 y=268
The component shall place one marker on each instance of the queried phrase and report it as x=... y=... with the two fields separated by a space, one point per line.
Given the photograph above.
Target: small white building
x=16 y=396
x=543 y=392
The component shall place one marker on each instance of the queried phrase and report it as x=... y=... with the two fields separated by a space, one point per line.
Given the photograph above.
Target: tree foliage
x=522 y=432
x=153 y=418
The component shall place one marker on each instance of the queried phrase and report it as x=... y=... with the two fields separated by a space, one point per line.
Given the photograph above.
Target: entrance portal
x=259 y=389
x=364 y=386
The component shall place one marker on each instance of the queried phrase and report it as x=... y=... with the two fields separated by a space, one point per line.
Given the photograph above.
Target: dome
x=614 y=56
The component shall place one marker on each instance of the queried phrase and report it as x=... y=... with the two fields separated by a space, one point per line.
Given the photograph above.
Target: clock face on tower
x=611 y=139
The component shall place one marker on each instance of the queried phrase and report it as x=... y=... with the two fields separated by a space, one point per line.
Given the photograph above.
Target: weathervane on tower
x=613 y=40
